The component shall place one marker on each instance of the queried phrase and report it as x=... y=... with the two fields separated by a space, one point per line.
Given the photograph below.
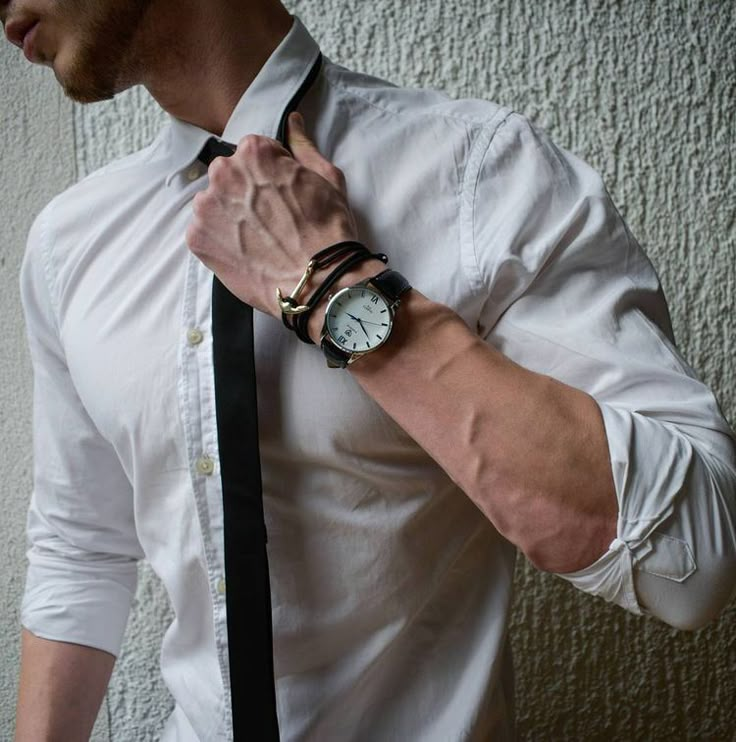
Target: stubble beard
x=106 y=60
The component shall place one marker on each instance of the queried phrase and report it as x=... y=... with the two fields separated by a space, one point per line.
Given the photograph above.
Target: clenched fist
x=265 y=213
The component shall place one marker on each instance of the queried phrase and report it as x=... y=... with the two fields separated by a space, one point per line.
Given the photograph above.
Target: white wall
x=645 y=92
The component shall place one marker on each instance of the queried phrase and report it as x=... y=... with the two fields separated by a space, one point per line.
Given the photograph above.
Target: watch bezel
x=327 y=330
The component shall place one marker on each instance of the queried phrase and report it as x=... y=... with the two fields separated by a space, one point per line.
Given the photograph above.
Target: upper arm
x=82 y=540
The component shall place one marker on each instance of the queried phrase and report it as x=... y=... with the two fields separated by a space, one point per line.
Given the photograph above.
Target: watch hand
x=360 y=322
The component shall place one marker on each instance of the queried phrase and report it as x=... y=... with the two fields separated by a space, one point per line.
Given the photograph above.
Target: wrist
x=367 y=269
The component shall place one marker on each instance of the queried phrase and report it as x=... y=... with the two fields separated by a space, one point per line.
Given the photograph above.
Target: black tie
x=248 y=595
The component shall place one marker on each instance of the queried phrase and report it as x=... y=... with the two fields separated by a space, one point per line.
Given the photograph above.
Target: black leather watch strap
x=391 y=284
x=336 y=357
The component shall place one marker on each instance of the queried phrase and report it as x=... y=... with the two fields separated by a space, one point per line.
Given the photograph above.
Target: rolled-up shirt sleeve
x=83 y=549
x=569 y=293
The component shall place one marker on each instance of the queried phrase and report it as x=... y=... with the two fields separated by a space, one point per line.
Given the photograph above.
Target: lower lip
x=28 y=43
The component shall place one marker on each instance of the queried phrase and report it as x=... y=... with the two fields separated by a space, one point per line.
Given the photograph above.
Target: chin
x=82 y=80
x=81 y=93
x=91 y=69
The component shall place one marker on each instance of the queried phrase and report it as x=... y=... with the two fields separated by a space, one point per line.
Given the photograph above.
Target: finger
x=305 y=151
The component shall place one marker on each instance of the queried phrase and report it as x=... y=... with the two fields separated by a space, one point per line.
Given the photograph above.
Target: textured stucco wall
x=645 y=92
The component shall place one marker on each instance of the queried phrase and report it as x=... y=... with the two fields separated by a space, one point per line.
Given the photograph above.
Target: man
x=529 y=394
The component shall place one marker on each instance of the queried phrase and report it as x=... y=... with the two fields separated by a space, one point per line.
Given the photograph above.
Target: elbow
x=572 y=546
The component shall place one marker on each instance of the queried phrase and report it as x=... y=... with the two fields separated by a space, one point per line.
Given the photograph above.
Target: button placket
x=202 y=358
x=196 y=395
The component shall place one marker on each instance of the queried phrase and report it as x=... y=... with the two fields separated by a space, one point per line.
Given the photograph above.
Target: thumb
x=305 y=150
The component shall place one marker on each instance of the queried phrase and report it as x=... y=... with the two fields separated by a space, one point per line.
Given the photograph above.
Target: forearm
x=61 y=688
x=530 y=451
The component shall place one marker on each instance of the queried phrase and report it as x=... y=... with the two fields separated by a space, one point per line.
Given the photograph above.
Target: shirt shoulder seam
x=46 y=244
x=468 y=190
x=47 y=258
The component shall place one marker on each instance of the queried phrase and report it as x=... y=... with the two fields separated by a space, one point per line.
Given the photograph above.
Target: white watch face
x=358 y=319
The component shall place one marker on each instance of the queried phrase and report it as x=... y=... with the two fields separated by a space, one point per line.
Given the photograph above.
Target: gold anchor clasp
x=289 y=304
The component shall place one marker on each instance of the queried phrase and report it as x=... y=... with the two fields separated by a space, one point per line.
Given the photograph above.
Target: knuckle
x=250 y=142
x=200 y=203
x=336 y=173
x=194 y=238
x=218 y=171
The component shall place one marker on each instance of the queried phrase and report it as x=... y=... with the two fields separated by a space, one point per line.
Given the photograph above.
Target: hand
x=265 y=213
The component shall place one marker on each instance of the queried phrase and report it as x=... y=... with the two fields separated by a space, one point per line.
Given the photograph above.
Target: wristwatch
x=359 y=319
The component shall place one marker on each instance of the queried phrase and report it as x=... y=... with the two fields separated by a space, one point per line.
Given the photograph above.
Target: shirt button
x=195 y=336
x=205 y=465
x=193 y=173
x=221 y=586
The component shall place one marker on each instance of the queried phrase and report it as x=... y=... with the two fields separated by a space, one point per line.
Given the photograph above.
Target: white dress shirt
x=390 y=589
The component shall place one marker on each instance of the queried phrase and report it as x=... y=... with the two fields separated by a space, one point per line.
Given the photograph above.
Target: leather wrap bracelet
x=297 y=319
x=322 y=259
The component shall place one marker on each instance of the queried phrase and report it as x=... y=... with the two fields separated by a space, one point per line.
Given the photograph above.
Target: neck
x=208 y=54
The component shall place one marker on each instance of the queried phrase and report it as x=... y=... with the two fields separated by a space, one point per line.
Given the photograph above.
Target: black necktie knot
x=215 y=147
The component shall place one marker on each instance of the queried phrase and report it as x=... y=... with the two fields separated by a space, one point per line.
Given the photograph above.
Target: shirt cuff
x=90 y=609
x=650 y=461
x=609 y=577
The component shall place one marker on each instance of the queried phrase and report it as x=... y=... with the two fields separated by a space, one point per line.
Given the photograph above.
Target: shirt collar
x=260 y=108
